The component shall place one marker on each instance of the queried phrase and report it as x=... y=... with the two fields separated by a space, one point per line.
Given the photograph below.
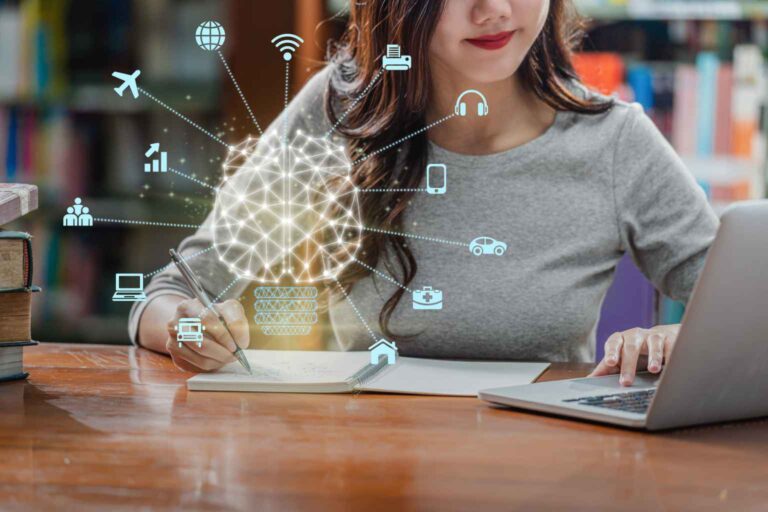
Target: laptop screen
x=129 y=282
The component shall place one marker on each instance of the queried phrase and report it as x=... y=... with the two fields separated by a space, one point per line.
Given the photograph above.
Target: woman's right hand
x=218 y=346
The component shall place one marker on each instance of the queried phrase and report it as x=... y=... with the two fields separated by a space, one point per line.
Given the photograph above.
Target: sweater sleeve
x=664 y=218
x=306 y=112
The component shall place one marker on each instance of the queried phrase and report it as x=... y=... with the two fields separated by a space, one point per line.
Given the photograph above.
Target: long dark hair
x=397 y=104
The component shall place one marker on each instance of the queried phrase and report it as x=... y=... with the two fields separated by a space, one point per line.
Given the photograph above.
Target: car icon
x=487 y=245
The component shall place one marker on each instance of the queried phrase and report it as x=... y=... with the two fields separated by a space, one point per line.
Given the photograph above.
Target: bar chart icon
x=159 y=164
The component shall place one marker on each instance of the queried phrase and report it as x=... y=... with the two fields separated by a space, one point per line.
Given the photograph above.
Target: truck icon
x=190 y=330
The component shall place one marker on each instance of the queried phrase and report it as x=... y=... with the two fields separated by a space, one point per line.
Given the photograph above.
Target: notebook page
x=285 y=370
x=457 y=378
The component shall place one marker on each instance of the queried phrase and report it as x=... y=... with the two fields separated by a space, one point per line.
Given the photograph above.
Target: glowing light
x=280 y=211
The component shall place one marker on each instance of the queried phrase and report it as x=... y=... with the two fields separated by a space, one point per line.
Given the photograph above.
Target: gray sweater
x=568 y=204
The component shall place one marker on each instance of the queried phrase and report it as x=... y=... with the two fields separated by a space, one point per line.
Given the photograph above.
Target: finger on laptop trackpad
x=589 y=384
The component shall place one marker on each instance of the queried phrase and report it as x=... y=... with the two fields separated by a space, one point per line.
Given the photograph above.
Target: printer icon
x=394 y=61
x=427 y=298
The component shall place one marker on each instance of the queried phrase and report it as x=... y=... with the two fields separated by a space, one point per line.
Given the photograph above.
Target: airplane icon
x=128 y=81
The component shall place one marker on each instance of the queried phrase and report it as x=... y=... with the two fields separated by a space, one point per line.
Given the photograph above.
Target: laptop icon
x=129 y=288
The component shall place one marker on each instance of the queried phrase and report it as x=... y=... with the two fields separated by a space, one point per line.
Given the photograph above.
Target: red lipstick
x=492 y=41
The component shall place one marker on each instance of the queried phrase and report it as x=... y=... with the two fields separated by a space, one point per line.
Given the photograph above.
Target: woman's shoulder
x=621 y=135
x=612 y=123
x=307 y=110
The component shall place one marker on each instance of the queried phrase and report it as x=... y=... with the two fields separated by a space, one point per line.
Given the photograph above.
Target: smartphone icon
x=436 y=179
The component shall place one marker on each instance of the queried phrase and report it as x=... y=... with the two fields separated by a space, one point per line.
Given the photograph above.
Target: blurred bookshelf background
x=63 y=128
x=697 y=67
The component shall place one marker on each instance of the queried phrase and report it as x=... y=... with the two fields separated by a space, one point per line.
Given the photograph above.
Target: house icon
x=383 y=348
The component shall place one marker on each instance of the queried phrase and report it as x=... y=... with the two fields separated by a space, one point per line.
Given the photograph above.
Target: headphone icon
x=461 y=107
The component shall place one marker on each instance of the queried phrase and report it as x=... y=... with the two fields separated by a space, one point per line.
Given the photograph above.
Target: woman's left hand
x=623 y=351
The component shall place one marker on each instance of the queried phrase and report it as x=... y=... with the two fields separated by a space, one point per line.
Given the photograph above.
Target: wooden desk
x=111 y=428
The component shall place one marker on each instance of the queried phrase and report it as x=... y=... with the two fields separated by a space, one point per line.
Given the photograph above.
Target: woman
x=570 y=180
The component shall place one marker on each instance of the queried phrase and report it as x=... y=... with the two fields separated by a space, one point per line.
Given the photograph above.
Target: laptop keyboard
x=635 y=401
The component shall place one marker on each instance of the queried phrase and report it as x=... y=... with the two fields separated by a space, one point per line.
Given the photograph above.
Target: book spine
x=707 y=65
x=684 y=112
x=724 y=114
x=12 y=147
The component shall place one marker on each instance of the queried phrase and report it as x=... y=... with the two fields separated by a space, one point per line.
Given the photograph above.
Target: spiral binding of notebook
x=365 y=374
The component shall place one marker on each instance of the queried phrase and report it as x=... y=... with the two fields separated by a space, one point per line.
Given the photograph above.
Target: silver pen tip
x=243 y=360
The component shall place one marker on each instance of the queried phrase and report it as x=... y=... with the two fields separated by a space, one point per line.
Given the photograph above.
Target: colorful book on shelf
x=723 y=110
x=11 y=159
x=684 y=113
x=640 y=79
x=601 y=71
x=748 y=94
x=10 y=31
x=707 y=65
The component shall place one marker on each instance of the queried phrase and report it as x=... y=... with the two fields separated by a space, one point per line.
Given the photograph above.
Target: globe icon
x=210 y=35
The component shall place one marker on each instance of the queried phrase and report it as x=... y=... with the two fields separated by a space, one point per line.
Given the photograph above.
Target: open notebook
x=290 y=371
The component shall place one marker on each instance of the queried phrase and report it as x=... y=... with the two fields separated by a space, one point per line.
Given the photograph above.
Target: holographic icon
x=383 y=348
x=78 y=215
x=287 y=44
x=157 y=165
x=189 y=330
x=285 y=310
x=427 y=299
x=394 y=61
x=288 y=210
x=461 y=106
x=487 y=245
x=70 y=219
x=129 y=81
x=210 y=36
x=129 y=288
x=436 y=179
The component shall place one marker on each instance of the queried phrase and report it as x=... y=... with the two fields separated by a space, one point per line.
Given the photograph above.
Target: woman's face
x=485 y=41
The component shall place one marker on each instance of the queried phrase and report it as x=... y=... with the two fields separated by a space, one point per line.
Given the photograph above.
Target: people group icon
x=78 y=215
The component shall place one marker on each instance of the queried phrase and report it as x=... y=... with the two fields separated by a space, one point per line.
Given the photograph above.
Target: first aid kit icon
x=427 y=298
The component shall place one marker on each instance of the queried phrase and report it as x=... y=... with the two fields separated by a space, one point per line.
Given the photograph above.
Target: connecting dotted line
x=354 y=103
x=382 y=274
x=240 y=92
x=410 y=235
x=409 y=136
x=147 y=223
x=285 y=101
x=190 y=178
x=185 y=118
x=287 y=79
x=357 y=311
x=392 y=190
x=187 y=258
x=219 y=296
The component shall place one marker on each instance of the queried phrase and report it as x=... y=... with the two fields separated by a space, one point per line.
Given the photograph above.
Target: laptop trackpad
x=592 y=385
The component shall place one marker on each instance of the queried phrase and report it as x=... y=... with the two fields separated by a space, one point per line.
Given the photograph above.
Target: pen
x=202 y=296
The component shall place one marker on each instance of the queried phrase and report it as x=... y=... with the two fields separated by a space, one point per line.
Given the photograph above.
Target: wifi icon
x=287 y=44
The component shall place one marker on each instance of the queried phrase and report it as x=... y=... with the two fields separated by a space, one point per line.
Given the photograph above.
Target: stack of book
x=15 y=280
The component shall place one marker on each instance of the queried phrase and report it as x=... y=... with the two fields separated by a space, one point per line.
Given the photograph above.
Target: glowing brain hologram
x=287 y=210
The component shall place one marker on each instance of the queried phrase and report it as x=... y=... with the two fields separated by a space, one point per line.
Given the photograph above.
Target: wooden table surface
x=114 y=428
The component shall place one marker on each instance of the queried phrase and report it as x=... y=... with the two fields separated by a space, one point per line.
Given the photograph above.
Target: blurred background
x=697 y=67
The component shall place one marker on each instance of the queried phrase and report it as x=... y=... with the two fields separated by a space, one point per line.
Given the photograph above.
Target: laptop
x=129 y=288
x=717 y=370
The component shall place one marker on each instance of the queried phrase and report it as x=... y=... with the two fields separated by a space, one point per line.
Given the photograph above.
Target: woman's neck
x=516 y=116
